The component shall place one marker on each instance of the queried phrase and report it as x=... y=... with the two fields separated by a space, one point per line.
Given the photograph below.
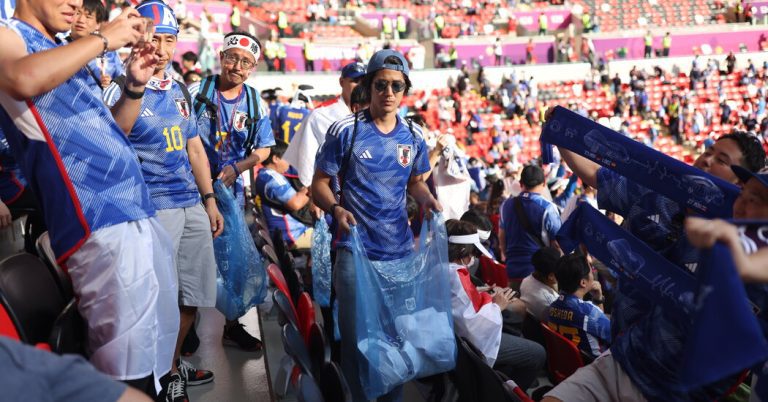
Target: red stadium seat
x=563 y=356
x=306 y=315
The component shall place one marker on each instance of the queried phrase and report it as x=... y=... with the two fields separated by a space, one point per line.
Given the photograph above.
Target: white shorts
x=603 y=380
x=124 y=278
x=190 y=232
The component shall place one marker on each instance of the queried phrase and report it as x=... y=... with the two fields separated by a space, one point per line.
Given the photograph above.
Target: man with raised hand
x=83 y=170
x=233 y=124
x=175 y=167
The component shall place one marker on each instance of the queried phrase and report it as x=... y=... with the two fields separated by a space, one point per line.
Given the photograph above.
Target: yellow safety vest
x=282 y=20
x=454 y=55
x=401 y=24
x=386 y=25
x=270 y=50
x=308 y=51
x=235 y=16
x=667 y=41
x=439 y=22
x=281 y=51
x=542 y=21
x=586 y=21
x=648 y=40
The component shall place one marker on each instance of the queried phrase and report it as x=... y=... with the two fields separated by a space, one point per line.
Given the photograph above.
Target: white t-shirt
x=537 y=297
x=311 y=135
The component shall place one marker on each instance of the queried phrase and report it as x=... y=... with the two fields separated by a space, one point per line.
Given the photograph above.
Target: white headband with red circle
x=242 y=42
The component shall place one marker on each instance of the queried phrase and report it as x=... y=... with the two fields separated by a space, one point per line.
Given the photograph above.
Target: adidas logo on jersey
x=654 y=218
x=692 y=267
x=366 y=155
x=146 y=113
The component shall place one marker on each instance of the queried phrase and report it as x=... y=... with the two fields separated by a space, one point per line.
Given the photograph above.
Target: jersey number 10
x=174 y=140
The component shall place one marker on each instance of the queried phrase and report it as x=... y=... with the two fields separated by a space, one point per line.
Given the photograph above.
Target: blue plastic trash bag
x=321 y=263
x=404 y=324
x=241 y=277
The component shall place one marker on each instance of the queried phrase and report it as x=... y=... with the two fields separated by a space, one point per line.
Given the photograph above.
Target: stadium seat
x=493 y=273
x=269 y=253
x=64 y=282
x=277 y=278
x=475 y=380
x=308 y=390
x=319 y=349
x=286 y=308
x=333 y=384
x=532 y=329
x=30 y=297
x=306 y=315
x=294 y=346
x=69 y=332
x=563 y=357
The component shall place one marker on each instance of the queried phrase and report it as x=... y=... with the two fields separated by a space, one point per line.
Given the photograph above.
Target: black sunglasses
x=397 y=86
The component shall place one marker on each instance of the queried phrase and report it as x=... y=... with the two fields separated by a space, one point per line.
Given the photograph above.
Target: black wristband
x=598 y=301
x=333 y=208
x=209 y=195
x=132 y=94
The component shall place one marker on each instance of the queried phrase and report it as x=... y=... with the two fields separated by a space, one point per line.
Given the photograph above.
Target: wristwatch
x=209 y=195
x=598 y=301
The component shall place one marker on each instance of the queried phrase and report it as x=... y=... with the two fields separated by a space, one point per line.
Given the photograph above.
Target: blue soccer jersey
x=160 y=136
x=376 y=180
x=12 y=181
x=581 y=322
x=288 y=122
x=226 y=143
x=274 y=187
x=544 y=219
x=79 y=163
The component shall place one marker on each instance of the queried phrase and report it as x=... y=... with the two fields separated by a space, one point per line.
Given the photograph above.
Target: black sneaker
x=177 y=390
x=193 y=376
x=236 y=335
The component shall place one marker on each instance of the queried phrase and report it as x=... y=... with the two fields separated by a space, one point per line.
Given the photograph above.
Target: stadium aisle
x=240 y=376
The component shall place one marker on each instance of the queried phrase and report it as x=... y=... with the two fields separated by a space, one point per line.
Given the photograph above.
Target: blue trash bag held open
x=241 y=277
x=321 y=263
x=403 y=319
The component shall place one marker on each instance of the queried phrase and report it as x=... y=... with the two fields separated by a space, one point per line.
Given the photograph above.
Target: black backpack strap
x=185 y=91
x=119 y=80
x=95 y=78
x=202 y=101
x=252 y=119
x=525 y=223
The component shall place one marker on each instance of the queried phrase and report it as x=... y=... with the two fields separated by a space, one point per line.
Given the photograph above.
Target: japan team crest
x=404 y=154
x=239 y=121
x=182 y=107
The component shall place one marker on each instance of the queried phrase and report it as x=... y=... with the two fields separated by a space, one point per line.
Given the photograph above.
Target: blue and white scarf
x=697 y=190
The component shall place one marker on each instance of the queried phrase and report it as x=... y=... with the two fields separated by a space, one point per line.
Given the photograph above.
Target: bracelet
x=209 y=195
x=104 y=40
x=133 y=94
x=234 y=167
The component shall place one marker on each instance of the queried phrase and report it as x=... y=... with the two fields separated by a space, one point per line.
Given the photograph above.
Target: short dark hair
x=531 y=176
x=545 y=260
x=460 y=228
x=479 y=220
x=570 y=270
x=189 y=56
x=753 y=154
x=276 y=150
x=367 y=82
x=97 y=9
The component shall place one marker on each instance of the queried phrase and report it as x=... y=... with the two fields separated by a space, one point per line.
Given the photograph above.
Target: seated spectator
x=36 y=375
x=582 y=322
x=539 y=289
x=478 y=315
x=279 y=199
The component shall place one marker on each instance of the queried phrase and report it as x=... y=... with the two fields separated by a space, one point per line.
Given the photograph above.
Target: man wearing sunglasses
x=376 y=156
x=233 y=123
x=311 y=134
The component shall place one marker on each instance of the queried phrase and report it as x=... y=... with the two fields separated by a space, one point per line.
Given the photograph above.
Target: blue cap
x=353 y=70
x=161 y=14
x=744 y=175
x=377 y=62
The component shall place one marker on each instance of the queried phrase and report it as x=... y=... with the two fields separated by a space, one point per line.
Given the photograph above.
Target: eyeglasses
x=397 y=86
x=233 y=60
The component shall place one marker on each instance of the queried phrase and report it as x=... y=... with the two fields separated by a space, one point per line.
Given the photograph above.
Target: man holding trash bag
x=376 y=156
